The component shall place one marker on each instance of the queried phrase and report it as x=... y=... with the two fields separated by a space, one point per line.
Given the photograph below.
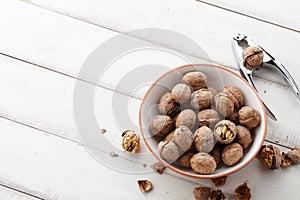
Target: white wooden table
x=43 y=46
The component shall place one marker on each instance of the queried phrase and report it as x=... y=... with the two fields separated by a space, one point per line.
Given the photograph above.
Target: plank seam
x=22 y=192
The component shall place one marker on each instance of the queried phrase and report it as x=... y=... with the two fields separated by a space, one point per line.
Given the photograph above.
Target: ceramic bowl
x=218 y=77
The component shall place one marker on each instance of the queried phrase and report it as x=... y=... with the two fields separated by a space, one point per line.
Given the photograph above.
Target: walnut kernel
x=225 y=131
x=130 y=141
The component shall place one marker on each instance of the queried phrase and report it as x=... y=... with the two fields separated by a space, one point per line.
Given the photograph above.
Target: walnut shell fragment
x=202 y=193
x=219 y=182
x=145 y=185
x=242 y=192
x=217 y=195
x=130 y=142
x=285 y=161
x=158 y=167
x=294 y=155
x=270 y=156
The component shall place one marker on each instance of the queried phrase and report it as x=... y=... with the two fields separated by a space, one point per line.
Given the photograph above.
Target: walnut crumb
x=159 y=167
x=103 y=130
x=113 y=154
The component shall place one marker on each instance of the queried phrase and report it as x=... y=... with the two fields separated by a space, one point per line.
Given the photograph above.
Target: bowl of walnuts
x=203 y=121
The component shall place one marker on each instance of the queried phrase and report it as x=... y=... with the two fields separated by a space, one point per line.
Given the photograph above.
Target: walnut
x=217 y=195
x=145 y=185
x=219 y=182
x=224 y=105
x=168 y=151
x=130 y=141
x=243 y=136
x=253 y=57
x=167 y=104
x=196 y=80
x=161 y=125
x=170 y=137
x=225 y=131
x=208 y=117
x=235 y=95
x=184 y=160
x=232 y=154
x=204 y=139
x=201 y=99
x=270 y=156
x=285 y=161
x=294 y=155
x=217 y=154
x=249 y=116
x=203 y=163
x=182 y=93
x=242 y=192
x=183 y=138
x=186 y=118
x=202 y=193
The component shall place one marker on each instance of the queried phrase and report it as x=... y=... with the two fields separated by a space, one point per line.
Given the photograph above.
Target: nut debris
x=242 y=192
x=103 y=130
x=202 y=193
x=160 y=168
x=219 y=182
x=145 y=185
x=113 y=154
x=130 y=142
x=217 y=195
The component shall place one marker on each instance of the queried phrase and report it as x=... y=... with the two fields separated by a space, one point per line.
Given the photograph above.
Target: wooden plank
x=60 y=169
x=274 y=12
x=210 y=27
x=59 y=50
x=11 y=194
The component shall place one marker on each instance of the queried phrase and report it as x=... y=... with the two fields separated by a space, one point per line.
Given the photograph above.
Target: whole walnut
x=208 y=117
x=235 y=95
x=224 y=105
x=249 y=116
x=201 y=99
x=217 y=154
x=184 y=160
x=225 y=131
x=196 y=80
x=204 y=139
x=161 y=125
x=186 y=118
x=182 y=93
x=243 y=136
x=167 y=104
x=170 y=137
x=253 y=57
x=232 y=154
x=183 y=138
x=168 y=151
x=203 y=163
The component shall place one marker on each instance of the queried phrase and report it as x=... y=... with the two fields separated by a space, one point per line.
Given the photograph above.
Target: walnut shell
x=204 y=139
x=224 y=105
x=186 y=118
x=196 y=80
x=168 y=151
x=208 y=117
x=183 y=138
x=217 y=154
x=161 y=125
x=270 y=156
x=242 y=192
x=184 y=160
x=167 y=104
x=294 y=155
x=232 y=154
x=202 y=193
x=203 y=163
x=235 y=95
x=253 y=57
x=249 y=116
x=182 y=93
x=243 y=136
x=201 y=99
x=225 y=131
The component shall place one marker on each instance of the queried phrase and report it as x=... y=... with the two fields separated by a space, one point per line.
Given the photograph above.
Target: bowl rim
x=173 y=168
